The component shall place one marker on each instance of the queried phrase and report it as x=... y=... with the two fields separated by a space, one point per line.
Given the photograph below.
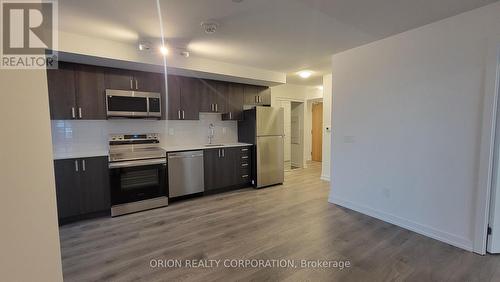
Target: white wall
x=301 y=93
x=327 y=127
x=29 y=238
x=407 y=120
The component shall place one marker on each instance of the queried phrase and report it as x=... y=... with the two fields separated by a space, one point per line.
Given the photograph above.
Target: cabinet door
x=251 y=92
x=222 y=90
x=174 y=98
x=234 y=102
x=210 y=167
x=67 y=187
x=232 y=164
x=119 y=79
x=264 y=96
x=207 y=95
x=62 y=96
x=190 y=103
x=147 y=81
x=90 y=92
x=257 y=95
x=94 y=185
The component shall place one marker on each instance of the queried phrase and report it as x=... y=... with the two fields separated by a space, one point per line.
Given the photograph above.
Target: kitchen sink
x=213 y=145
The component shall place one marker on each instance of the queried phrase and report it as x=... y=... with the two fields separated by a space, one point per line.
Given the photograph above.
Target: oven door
x=137 y=180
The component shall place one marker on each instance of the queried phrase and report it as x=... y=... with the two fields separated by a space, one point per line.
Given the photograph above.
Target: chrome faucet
x=211 y=133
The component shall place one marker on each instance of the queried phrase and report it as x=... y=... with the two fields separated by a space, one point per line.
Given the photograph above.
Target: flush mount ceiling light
x=163 y=50
x=305 y=73
x=209 y=26
x=144 y=45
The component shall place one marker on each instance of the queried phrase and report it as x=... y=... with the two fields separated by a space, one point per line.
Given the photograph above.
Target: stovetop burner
x=135 y=147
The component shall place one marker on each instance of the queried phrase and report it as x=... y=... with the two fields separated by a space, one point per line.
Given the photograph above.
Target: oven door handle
x=137 y=163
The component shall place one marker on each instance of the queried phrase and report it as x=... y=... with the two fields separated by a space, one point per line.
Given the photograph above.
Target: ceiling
x=278 y=35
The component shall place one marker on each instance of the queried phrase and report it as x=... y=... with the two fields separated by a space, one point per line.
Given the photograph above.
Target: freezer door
x=269 y=121
x=270 y=169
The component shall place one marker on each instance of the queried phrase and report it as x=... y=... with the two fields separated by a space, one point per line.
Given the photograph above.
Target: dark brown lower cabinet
x=226 y=167
x=82 y=188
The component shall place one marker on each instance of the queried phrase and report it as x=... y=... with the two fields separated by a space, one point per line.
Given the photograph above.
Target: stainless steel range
x=138 y=173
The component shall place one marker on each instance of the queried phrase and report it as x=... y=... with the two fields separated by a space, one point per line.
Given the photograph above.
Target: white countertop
x=80 y=154
x=202 y=147
x=105 y=153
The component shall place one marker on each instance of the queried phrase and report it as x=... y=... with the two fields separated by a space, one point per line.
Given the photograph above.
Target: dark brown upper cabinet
x=257 y=95
x=62 y=93
x=148 y=81
x=207 y=92
x=90 y=92
x=76 y=92
x=183 y=98
x=234 y=102
x=120 y=79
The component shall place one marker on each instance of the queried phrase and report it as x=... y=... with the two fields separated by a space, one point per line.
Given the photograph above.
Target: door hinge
x=489 y=230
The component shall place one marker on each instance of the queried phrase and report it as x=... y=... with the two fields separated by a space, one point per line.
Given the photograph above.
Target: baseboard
x=325 y=178
x=431 y=232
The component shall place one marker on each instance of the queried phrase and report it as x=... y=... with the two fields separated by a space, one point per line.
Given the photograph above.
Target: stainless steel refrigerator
x=264 y=127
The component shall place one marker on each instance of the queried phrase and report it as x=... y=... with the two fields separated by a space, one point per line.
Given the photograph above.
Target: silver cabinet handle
x=244 y=149
x=244 y=157
x=244 y=176
x=223 y=153
x=179 y=114
x=136 y=85
x=79 y=112
x=256 y=101
x=83 y=165
x=131 y=85
x=219 y=152
x=76 y=165
x=73 y=112
x=230 y=116
x=216 y=107
x=182 y=114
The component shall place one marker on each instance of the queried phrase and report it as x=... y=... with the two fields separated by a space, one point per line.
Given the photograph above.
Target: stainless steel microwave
x=133 y=104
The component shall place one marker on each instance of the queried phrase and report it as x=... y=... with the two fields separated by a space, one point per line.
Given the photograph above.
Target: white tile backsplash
x=73 y=136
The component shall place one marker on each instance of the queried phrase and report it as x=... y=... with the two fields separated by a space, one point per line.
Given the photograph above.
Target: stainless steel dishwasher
x=185 y=173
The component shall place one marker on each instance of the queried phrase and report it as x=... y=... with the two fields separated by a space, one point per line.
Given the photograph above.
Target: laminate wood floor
x=293 y=221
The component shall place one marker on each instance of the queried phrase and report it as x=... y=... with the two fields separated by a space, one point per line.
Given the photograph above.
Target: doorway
x=317 y=132
x=294 y=133
x=297 y=134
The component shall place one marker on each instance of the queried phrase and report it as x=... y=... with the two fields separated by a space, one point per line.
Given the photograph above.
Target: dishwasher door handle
x=183 y=156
